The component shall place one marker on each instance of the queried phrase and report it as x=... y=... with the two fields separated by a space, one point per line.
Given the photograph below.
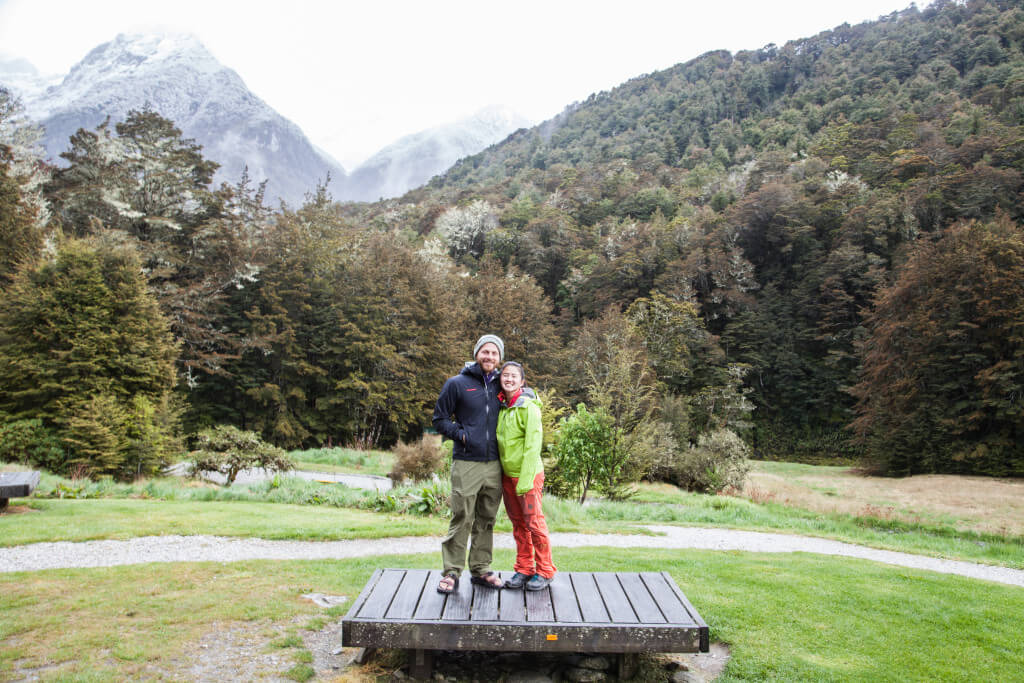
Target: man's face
x=488 y=357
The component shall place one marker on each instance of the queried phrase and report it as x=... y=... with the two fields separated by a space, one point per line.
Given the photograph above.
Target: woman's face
x=511 y=380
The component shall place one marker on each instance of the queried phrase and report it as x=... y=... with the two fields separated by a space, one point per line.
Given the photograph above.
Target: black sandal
x=490 y=579
x=443 y=588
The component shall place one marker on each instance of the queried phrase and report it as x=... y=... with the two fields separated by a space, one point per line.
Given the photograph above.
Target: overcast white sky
x=355 y=76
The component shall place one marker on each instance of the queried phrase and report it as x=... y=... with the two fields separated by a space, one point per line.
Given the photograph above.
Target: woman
x=519 y=445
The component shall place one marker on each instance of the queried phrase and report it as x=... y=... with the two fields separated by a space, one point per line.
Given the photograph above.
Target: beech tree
x=146 y=184
x=464 y=228
x=512 y=305
x=21 y=241
x=23 y=213
x=943 y=368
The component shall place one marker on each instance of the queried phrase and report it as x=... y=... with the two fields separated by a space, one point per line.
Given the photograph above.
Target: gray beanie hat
x=492 y=339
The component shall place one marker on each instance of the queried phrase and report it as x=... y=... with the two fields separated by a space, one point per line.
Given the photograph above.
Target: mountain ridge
x=176 y=76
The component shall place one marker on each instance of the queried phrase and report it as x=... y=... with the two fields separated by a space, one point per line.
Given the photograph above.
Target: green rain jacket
x=520 y=436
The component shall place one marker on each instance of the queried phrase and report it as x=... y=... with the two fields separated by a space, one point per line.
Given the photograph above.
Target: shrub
x=718 y=461
x=28 y=442
x=228 y=450
x=653 y=450
x=591 y=453
x=417 y=461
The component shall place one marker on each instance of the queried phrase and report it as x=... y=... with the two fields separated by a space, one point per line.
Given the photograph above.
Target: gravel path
x=147 y=549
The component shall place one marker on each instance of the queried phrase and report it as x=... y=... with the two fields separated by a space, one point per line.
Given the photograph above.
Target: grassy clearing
x=346 y=460
x=984 y=505
x=680 y=507
x=785 y=617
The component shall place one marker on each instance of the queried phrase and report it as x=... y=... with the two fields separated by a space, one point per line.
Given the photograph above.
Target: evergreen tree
x=81 y=338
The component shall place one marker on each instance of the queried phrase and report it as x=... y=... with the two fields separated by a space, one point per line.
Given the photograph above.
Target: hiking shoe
x=537 y=583
x=517 y=581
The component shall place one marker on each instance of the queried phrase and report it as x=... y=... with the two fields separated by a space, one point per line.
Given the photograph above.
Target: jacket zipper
x=487 y=420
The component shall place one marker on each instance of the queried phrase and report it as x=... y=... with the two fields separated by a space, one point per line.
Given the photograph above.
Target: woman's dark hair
x=522 y=373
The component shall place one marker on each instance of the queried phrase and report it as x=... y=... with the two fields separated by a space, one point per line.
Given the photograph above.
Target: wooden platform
x=580 y=612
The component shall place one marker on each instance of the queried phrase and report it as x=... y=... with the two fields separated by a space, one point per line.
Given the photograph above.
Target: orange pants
x=533 y=547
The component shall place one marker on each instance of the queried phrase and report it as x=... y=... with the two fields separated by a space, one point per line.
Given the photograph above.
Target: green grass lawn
x=84 y=520
x=792 y=617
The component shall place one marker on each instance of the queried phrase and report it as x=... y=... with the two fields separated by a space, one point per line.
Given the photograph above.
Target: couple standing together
x=494 y=421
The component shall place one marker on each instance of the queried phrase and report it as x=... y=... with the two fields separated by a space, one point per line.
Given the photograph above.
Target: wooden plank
x=538 y=605
x=485 y=604
x=589 y=598
x=431 y=604
x=456 y=607
x=668 y=601
x=639 y=597
x=365 y=593
x=511 y=603
x=619 y=609
x=377 y=603
x=705 y=644
x=408 y=594
x=563 y=600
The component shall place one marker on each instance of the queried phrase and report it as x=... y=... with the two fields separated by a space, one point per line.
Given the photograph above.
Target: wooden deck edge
x=523 y=637
x=705 y=633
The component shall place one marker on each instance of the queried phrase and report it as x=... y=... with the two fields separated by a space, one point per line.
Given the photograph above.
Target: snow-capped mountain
x=177 y=77
x=415 y=159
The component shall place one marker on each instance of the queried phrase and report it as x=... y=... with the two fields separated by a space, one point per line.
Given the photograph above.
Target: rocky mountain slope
x=177 y=76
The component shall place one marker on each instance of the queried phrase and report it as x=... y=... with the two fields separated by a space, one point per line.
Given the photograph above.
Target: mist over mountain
x=176 y=76
x=415 y=159
x=22 y=77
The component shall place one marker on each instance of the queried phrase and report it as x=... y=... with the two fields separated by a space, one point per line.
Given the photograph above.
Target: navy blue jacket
x=468 y=407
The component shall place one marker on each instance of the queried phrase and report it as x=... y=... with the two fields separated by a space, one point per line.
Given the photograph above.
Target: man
x=467 y=413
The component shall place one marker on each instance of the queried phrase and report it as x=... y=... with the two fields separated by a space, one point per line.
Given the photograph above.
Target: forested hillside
x=816 y=246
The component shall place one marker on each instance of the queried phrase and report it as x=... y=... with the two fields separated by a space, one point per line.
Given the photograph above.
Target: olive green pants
x=476 y=495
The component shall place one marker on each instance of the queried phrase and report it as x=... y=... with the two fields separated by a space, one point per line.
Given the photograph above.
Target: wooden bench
x=17 y=485
x=593 y=612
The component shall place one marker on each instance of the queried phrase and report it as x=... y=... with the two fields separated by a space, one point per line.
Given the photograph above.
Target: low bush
x=228 y=450
x=718 y=461
x=418 y=461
